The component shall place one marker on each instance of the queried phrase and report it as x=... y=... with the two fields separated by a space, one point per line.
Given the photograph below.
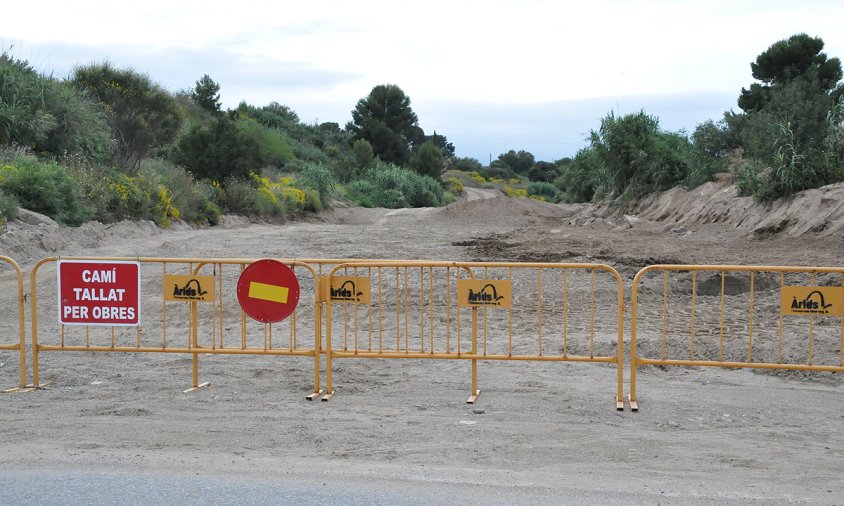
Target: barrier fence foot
x=327 y=396
x=634 y=406
x=619 y=405
x=201 y=385
x=472 y=398
x=29 y=388
x=314 y=395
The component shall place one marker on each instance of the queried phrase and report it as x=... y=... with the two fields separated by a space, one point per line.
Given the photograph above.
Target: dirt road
x=539 y=433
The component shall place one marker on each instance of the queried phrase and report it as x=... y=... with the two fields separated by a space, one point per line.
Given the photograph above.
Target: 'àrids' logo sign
x=487 y=296
x=812 y=300
x=189 y=288
x=345 y=293
x=484 y=293
x=348 y=289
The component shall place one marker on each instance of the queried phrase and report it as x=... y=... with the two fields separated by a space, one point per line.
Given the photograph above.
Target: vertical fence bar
x=664 y=313
x=510 y=317
x=750 y=334
x=694 y=297
x=565 y=312
x=448 y=310
x=592 y=318
x=431 y=305
x=779 y=347
x=811 y=329
x=721 y=321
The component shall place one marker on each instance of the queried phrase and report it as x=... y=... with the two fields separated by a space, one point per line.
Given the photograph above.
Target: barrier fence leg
x=475 y=392
x=21 y=343
x=329 y=385
x=195 y=344
x=317 y=347
x=36 y=382
x=619 y=396
x=634 y=406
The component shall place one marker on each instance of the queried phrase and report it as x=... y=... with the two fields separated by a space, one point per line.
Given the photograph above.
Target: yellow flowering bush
x=514 y=192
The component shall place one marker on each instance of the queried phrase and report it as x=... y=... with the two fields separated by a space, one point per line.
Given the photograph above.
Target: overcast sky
x=490 y=75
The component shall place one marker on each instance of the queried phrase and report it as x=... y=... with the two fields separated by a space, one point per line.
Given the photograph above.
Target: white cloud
x=321 y=57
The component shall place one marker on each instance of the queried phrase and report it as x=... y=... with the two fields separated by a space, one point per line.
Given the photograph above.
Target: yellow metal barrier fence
x=475 y=311
x=765 y=317
x=20 y=343
x=214 y=327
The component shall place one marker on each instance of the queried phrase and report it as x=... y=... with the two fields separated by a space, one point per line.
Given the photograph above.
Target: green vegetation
x=788 y=139
x=109 y=143
x=390 y=186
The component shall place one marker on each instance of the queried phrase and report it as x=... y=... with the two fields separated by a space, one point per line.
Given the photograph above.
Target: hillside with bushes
x=109 y=144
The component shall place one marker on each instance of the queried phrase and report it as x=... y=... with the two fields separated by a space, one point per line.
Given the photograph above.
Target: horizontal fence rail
x=16 y=342
x=521 y=312
x=764 y=317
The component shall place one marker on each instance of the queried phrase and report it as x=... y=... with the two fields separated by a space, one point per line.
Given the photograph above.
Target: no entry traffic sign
x=99 y=293
x=268 y=291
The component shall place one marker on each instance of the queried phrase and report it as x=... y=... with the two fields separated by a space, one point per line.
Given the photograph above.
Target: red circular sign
x=268 y=291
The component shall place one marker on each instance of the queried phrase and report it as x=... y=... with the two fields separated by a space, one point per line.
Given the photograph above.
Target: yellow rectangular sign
x=189 y=288
x=272 y=293
x=348 y=289
x=484 y=293
x=812 y=300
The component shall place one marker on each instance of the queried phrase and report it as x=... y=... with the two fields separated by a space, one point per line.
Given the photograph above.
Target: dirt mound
x=818 y=212
x=509 y=211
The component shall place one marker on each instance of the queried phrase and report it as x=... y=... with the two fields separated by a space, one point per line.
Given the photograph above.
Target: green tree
x=786 y=60
x=544 y=172
x=467 y=164
x=428 y=160
x=441 y=142
x=584 y=179
x=206 y=94
x=362 y=153
x=637 y=156
x=142 y=115
x=386 y=120
x=519 y=163
x=219 y=151
x=49 y=116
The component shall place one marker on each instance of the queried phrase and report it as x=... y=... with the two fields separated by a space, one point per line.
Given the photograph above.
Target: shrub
x=191 y=200
x=43 y=187
x=319 y=178
x=49 y=116
x=546 y=190
x=8 y=207
x=386 y=185
x=514 y=192
x=583 y=179
x=454 y=186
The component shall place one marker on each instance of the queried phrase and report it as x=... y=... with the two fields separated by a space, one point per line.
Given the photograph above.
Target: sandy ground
x=541 y=432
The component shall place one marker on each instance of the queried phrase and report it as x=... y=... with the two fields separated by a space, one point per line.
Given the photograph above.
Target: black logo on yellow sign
x=346 y=293
x=814 y=303
x=487 y=295
x=182 y=288
x=192 y=290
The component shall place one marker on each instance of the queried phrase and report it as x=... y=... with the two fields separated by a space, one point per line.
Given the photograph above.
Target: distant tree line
x=109 y=143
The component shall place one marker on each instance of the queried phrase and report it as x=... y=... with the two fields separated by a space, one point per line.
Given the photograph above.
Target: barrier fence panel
x=765 y=317
x=15 y=341
x=203 y=318
x=397 y=310
x=559 y=312
x=477 y=311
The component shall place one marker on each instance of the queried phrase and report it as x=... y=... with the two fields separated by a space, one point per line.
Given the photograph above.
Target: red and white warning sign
x=99 y=292
x=268 y=291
